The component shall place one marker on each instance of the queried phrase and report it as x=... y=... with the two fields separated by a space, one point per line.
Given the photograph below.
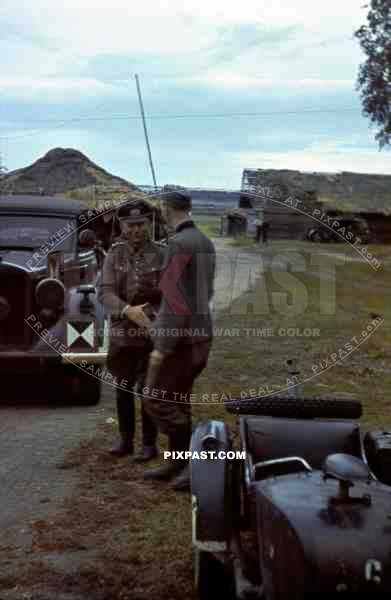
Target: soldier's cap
x=134 y=212
x=179 y=199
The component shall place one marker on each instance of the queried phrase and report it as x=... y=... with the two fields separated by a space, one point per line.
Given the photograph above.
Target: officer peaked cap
x=134 y=212
x=180 y=199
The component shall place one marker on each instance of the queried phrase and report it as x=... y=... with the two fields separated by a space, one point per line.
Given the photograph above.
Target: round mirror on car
x=50 y=293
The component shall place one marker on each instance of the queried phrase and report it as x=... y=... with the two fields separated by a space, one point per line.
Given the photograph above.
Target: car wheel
x=213 y=579
x=86 y=389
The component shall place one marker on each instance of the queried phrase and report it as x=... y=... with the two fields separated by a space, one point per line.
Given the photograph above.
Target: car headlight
x=5 y=308
x=210 y=443
x=50 y=293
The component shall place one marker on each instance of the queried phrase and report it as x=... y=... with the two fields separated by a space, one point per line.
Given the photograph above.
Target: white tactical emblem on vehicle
x=105 y=342
x=81 y=335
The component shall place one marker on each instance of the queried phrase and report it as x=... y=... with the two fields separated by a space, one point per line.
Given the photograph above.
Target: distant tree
x=374 y=76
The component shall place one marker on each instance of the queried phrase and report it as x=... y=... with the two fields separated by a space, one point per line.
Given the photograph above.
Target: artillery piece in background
x=349 y=228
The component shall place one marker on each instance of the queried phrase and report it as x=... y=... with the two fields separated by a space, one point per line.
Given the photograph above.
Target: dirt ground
x=34 y=438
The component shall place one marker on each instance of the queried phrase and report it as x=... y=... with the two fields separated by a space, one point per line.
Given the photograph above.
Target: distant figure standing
x=265 y=229
x=258 y=230
x=258 y=222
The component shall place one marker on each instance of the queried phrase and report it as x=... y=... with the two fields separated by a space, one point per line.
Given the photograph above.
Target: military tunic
x=130 y=278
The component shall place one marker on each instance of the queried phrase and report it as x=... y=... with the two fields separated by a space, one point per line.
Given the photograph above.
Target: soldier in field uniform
x=181 y=333
x=131 y=297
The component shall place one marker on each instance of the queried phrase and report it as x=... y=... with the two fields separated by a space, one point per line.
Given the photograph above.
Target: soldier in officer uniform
x=131 y=297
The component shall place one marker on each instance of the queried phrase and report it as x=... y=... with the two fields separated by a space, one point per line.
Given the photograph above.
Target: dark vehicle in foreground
x=306 y=512
x=51 y=323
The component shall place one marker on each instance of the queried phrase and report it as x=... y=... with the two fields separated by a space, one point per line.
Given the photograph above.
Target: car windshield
x=36 y=231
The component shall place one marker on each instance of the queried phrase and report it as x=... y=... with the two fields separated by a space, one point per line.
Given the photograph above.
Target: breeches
x=168 y=386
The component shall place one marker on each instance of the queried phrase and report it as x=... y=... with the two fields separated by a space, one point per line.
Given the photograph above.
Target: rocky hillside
x=344 y=190
x=61 y=171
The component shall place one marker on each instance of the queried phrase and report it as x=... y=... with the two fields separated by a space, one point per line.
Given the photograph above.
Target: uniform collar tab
x=184 y=225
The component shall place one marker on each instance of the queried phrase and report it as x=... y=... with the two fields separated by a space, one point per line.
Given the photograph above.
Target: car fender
x=211 y=482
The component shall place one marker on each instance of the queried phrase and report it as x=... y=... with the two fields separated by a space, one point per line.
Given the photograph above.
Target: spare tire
x=307 y=407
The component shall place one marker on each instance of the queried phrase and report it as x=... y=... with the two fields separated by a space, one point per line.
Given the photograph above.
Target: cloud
x=227 y=44
x=47 y=89
x=232 y=80
x=214 y=12
x=220 y=44
x=331 y=155
x=168 y=28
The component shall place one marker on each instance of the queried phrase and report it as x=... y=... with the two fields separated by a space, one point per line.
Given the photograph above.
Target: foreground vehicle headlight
x=210 y=440
x=210 y=444
x=5 y=308
x=50 y=294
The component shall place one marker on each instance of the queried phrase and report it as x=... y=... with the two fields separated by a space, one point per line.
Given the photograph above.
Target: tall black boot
x=181 y=443
x=149 y=431
x=178 y=442
x=149 y=428
x=126 y=423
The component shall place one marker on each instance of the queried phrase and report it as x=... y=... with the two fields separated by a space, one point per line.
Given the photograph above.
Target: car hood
x=302 y=503
x=21 y=258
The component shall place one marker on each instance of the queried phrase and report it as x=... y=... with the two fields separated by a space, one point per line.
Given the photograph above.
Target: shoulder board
x=116 y=244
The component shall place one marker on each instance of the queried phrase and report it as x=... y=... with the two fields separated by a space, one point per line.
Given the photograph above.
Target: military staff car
x=306 y=513
x=51 y=323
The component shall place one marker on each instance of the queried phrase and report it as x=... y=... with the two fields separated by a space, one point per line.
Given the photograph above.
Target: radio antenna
x=145 y=132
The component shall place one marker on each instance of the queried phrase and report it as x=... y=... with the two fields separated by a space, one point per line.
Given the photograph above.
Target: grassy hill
x=66 y=172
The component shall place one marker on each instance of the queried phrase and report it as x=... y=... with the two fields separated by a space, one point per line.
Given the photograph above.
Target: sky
x=251 y=84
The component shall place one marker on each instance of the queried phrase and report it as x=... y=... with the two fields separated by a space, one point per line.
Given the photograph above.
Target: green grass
x=239 y=364
x=381 y=253
x=208 y=224
x=376 y=249
x=241 y=240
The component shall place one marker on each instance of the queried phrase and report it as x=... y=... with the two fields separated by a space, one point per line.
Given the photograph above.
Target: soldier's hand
x=156 y=357
x=138 y=316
